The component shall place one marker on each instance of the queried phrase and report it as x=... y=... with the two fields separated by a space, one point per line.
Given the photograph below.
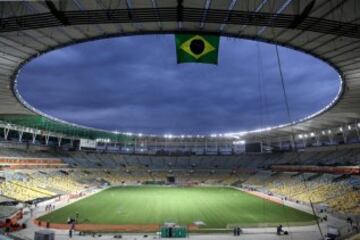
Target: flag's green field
x=215 y=206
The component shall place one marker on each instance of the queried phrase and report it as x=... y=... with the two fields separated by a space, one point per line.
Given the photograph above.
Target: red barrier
x=11 y=220
x=352 y=170
x=30 y=160
x=30 y=163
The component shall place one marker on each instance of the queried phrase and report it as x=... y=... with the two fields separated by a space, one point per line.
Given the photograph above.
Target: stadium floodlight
x=300 y=136
x=140 y=134
x=213 y=135
x=323 y=132
x=329 y=131
x=349 y=127
x=312 y=134
x=240 y=142
x=358 y=125
x=168 y=136
x=341 y=129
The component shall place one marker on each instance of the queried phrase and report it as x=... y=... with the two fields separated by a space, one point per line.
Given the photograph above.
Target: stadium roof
x=327 y=29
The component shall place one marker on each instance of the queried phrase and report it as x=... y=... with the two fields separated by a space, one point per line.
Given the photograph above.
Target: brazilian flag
x=197 y=48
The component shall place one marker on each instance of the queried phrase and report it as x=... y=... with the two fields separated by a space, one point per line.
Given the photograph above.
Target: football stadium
x=295 y=177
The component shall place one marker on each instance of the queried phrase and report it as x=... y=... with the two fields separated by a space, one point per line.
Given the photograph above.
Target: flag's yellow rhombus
x=197 y=47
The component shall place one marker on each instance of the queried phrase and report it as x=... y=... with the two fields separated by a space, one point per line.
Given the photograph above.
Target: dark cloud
x=134 y=84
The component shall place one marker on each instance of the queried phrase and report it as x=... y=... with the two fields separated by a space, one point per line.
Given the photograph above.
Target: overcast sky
x=134 y=84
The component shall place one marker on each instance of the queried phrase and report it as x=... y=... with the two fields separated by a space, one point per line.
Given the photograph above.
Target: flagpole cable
x=261 y=100
x=292 y=131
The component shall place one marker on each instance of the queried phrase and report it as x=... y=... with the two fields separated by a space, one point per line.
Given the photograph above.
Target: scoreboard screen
x=253 y=147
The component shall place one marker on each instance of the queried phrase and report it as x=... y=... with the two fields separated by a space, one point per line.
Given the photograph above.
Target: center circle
x=197 y=46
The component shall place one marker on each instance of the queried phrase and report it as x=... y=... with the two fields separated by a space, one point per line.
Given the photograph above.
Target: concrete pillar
x=20 y=133
x=47 y=137
x=6 y=133
x=34 y=138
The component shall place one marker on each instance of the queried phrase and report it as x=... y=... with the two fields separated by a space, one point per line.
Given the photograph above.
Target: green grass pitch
x=215 y=206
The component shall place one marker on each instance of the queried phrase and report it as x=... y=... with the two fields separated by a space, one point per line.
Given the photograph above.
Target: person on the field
x=238 y=231
x=279 y=230
x=76 y=217
x=170 y=232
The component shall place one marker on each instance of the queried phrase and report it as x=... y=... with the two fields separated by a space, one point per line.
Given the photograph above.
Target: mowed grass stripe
x=215 y=206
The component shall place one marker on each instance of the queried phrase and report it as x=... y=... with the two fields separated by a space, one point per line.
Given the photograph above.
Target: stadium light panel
x=168 y=136
x=240 y=142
